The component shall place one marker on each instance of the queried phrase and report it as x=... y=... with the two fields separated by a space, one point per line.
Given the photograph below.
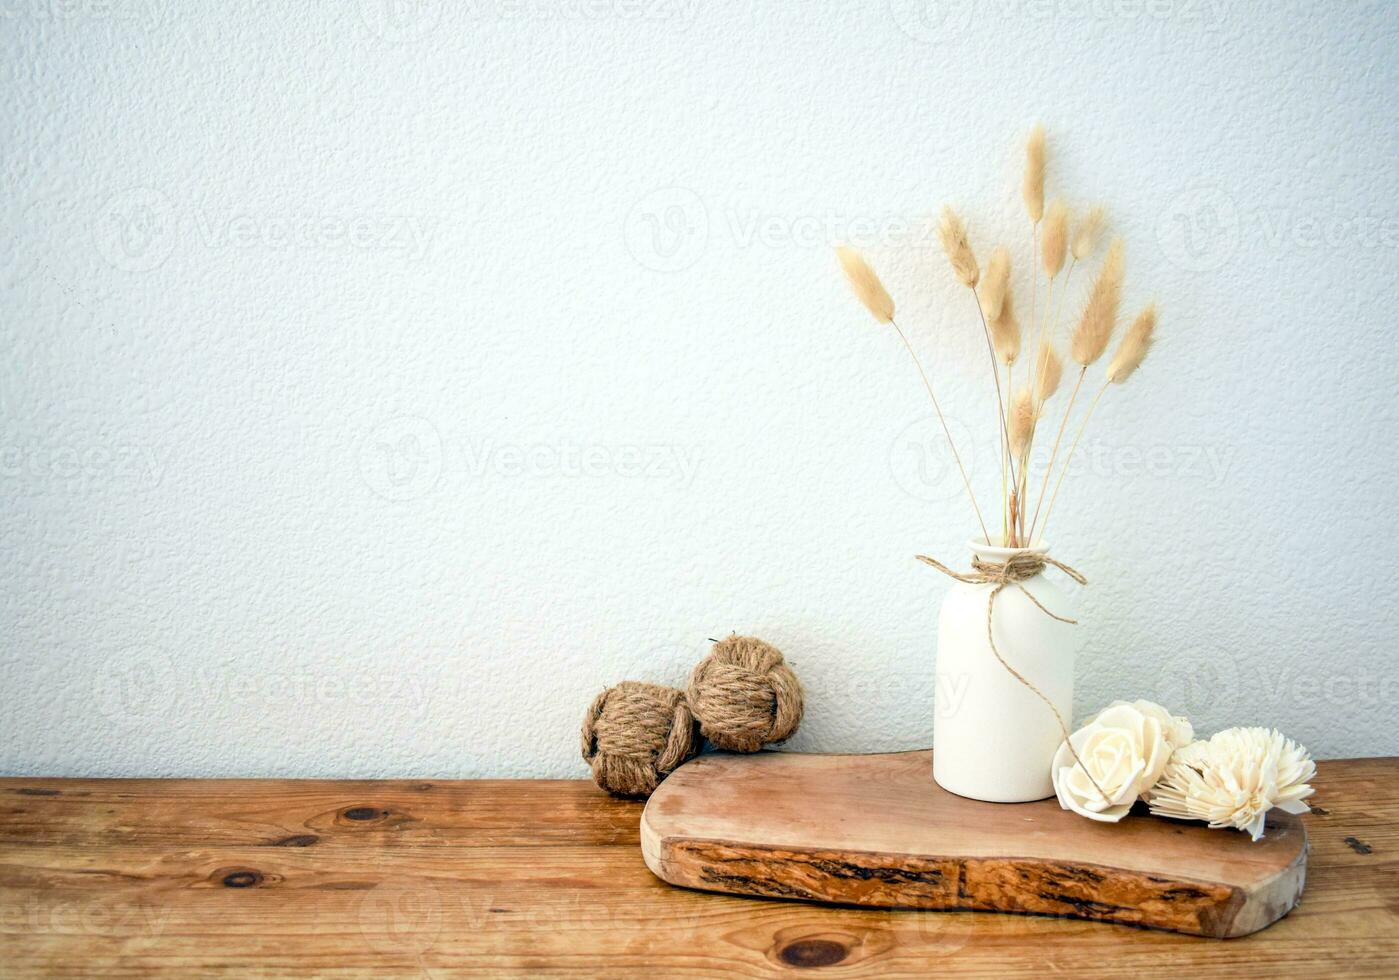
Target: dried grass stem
x=951 y=444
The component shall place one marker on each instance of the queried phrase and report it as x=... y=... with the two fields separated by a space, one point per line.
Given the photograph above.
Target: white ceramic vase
x=993 y=738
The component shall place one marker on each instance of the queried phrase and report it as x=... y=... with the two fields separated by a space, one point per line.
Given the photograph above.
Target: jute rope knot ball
x=744 y=695
x=635 y=734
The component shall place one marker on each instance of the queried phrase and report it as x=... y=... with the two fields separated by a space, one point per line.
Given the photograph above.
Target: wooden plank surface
x=529 y=878
x=877 y=830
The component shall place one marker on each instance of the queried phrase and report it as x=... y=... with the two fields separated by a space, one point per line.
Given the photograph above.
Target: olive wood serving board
x=876 y=830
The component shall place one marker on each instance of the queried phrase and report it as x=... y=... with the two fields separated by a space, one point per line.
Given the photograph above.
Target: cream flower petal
x=1120 y=752
x=1234 y=779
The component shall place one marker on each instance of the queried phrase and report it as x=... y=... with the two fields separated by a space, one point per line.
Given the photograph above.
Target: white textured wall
x=381 y=379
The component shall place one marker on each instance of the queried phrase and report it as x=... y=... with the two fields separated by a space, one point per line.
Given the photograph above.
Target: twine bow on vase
x=1015 y=570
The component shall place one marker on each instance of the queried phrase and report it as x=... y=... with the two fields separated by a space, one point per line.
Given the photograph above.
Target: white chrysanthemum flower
x=1234 y=779
x=1121 y=752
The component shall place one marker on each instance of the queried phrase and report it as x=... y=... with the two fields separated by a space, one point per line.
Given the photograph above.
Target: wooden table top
x=527 y=878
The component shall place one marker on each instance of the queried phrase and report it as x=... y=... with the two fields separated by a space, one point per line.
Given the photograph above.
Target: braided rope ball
x=744 y=695
x=636 y=734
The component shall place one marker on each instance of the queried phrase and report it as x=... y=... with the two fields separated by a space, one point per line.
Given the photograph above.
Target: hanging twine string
x=1014 y=571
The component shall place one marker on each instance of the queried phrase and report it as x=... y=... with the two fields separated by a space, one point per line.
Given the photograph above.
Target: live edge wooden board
x=875 y=830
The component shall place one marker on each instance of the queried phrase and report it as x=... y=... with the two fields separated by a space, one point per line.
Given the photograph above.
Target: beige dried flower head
x=1049 y=370
x=958 y=249
x=1136 y=343
x=995 y=283
x=1056 y=238
x=868 y=289
x=1023 y=415
x=1034 y=174
x=1005 y=331
x=1115 y=758
x=1234 y=779
x=1100 y=313
x=1175 y=729
x=1086 y=235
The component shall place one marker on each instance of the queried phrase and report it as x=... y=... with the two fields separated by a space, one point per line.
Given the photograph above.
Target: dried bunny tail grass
x=958 y=249
x=1100 y=312
x=1055 y=243
x=868 y=289
x=1023 y=415
x=1130 y=354
x=1005 y=330
x=995 y=283
x=1086 y=235
x=1136 y=344
x=1034 y=174
x=1049 y=371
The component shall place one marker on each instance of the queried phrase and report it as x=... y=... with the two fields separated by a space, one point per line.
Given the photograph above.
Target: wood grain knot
x=1359 y=846
x=296 y=840
x=363 y=813
x=809 y=953
x=36 y=791
x=242 y=879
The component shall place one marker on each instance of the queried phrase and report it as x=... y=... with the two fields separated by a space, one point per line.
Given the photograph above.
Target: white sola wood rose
x=1234 y=779
x=1122 y=751
x=1177 y=728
